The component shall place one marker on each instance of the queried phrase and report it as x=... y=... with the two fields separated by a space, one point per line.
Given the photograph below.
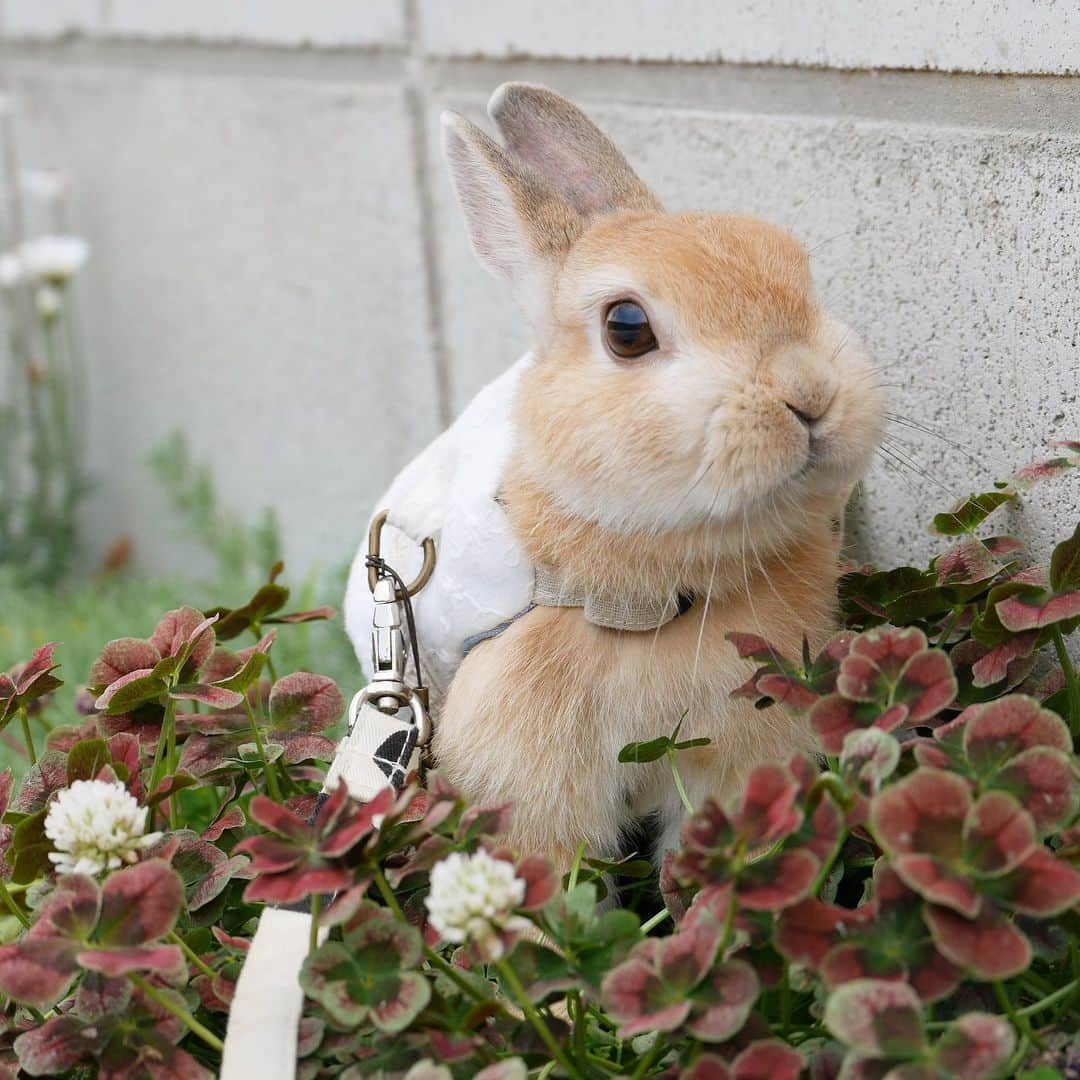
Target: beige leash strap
x=265 y=1014
x=378 y=751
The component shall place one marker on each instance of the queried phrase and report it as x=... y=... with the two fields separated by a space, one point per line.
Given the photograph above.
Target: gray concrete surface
x=278 y=265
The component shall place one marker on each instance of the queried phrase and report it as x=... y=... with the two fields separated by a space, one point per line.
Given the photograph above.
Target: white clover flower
x=471 y=899
x=96 y=825
x=48 y=302
x=11 y=270
x=54 y=258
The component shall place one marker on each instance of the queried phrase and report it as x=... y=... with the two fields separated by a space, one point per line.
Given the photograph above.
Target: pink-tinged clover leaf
x=767 y=810
x=767 y=1059
x=778 y=881
x=669 y=982
x=968 y=514
x=262 y=609
x=888 y=666
x=28 y=682
x=722 y=1003
x=975 y=1047
x=1034 y=609
x=780 y=680
x=121 y=657
x=967 y=562
x=127 y=1043
x=711 y=846
x=296 y=859
x=1065 y=564
x=1042 y=885
x=923 y=813
x=807 y=931
x=999 y=730
x=139 y=904
x=990 y=946
x=868 y=758
x=834 y=717
x=877 y=1017
x=369 y=976
x=185 y=635
x=885 y=938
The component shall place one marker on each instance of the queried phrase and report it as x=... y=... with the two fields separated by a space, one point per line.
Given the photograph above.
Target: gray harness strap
x=633 y=613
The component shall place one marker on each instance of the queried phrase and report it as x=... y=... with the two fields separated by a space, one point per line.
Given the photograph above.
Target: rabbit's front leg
x=524 y=723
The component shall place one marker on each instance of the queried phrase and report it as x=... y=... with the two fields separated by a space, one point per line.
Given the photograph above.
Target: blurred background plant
x=41 y=423
x=49 y=589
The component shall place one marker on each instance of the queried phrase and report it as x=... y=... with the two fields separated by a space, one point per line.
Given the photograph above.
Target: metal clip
x=387 y=690
x=375 y=550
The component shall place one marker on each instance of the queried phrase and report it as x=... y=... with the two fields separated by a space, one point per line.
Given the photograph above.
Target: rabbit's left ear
x=519 y=227
x=562 y=146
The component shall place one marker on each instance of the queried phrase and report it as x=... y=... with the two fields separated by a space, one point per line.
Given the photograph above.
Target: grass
x=83 y=615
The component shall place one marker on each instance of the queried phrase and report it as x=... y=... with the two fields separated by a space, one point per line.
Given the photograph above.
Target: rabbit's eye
x=627 y=330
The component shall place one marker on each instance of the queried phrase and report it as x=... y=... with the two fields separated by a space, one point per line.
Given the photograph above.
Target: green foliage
x=910 y=909
x=243 y=551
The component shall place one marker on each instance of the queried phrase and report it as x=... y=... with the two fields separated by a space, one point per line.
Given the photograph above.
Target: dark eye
x=627 y=329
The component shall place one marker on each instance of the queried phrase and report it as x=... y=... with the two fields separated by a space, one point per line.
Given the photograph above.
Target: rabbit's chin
x=785 y=507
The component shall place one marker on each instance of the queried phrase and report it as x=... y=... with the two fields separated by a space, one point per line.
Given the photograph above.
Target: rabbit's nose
x=804 y=415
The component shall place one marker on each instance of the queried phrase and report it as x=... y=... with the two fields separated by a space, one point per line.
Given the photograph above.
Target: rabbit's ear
x=519 y=227
x=567 y=150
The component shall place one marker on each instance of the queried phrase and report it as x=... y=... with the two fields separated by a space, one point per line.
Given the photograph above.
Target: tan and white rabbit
x=667 y=465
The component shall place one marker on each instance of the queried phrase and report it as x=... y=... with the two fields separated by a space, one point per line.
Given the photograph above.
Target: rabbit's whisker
x=906 y=421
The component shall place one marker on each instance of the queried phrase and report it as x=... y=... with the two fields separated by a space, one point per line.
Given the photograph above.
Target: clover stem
x=785 y=1000
x=827 y=865
x=313 y=933
x=1019 y=1019
x=166 y=742
x=191 y=954
x=1023 y=1049
x=655 y=921
x=1050 y=999
x=604 y=1064
x=24 y=718
x=729 y=919
x=9 y=903
x=831 y=782
x=1071 y=682
x=268 y=769
x=509 y=976
x=576 y=1011
x=950 y=622
x=679 y=782
x=182 y=1015
x=575 y=866
x=649 y=1060
x=171 y=762
x=457 y=979
x=388 y=895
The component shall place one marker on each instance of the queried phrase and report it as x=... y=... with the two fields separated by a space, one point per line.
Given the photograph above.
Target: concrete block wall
x=279 y=267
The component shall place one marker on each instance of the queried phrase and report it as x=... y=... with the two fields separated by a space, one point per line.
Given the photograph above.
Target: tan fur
x=686 y=470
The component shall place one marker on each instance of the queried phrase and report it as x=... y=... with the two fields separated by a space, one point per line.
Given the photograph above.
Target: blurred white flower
x=48 y=185
x=95 y=826
x=471 y=899
x=11 y=270
x=54 y=258
x=48 y=302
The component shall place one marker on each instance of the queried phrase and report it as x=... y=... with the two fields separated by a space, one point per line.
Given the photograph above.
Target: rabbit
x=681 y=440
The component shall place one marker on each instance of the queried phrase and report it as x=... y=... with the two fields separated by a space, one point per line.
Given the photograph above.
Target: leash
x=378 y=750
